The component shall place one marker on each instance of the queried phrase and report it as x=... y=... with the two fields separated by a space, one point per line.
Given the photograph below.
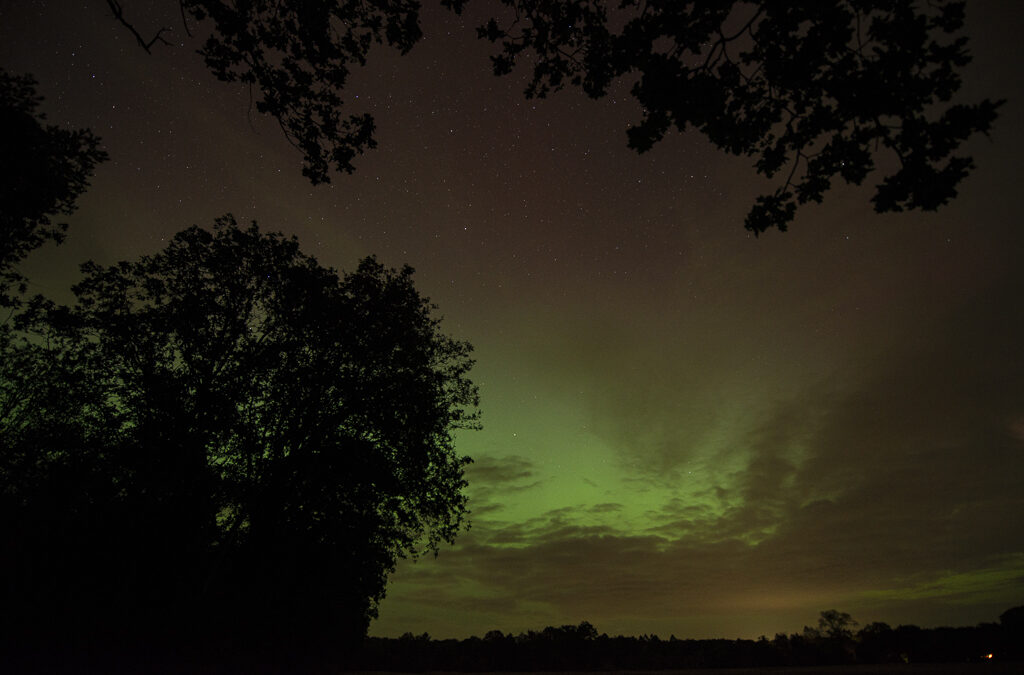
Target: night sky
x=687 y=430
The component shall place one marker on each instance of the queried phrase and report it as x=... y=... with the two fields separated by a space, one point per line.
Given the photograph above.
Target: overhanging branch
x=118 y=12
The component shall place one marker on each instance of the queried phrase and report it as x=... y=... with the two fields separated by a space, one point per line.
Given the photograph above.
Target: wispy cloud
x=896 y=486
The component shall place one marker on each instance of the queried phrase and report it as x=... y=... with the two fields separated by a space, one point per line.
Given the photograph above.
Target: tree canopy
x=43 y=171
x=836 y=625
x=583 y=649
x=296 y=57
x=811 y=90
x=228 y=430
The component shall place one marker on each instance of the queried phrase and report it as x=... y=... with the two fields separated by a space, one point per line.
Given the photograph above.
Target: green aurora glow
x=687 y=430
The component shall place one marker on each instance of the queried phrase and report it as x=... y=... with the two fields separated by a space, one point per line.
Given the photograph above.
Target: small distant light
x=987 y=656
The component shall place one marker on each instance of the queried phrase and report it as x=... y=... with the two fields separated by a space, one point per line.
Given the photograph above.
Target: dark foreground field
x=993 y=668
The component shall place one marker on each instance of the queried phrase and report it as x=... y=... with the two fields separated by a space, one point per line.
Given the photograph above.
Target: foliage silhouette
x=1012 y=623
x=812 y=90
x=876 y=643
x=835 y=629
x=582 y=648
x=43 y=170
x=226 y=438
x=296 y=57
x=836 y=625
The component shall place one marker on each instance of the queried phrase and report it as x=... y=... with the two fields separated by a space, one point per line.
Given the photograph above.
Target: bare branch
x=184 y=19
x=115 y=8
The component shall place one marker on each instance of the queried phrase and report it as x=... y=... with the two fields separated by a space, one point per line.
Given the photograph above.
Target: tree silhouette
x=812 y=90
x=572 y=648
x=254 y=443
x=296 y=57
x=836 y=625
x=43 y=170
x=836 y=630
x=1012 y=624
x=876 y=643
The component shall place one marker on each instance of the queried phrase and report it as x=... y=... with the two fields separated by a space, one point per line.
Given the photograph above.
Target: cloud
x=894 y=495
x=494 y=479
x=643 y=584
x=995 y=583
x=505 y=472
x=622 y=584
x=606 y=507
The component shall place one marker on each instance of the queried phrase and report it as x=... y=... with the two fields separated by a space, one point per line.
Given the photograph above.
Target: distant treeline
x=581 y=647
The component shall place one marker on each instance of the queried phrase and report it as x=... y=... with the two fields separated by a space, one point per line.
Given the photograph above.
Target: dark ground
x=993 y=668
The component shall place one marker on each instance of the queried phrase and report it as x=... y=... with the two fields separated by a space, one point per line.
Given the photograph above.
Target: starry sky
x=687 y=430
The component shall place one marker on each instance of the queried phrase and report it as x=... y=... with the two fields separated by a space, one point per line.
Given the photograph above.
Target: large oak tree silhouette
x=226 y=439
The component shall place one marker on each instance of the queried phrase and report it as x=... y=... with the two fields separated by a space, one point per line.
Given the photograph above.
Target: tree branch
x=115 y=8
x=184 y=19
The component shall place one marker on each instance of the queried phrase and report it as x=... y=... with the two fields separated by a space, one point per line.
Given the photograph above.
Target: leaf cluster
x=812 y=91
x=256 y=438
x=296 y=58
x=811 y=88
x=43 y=170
